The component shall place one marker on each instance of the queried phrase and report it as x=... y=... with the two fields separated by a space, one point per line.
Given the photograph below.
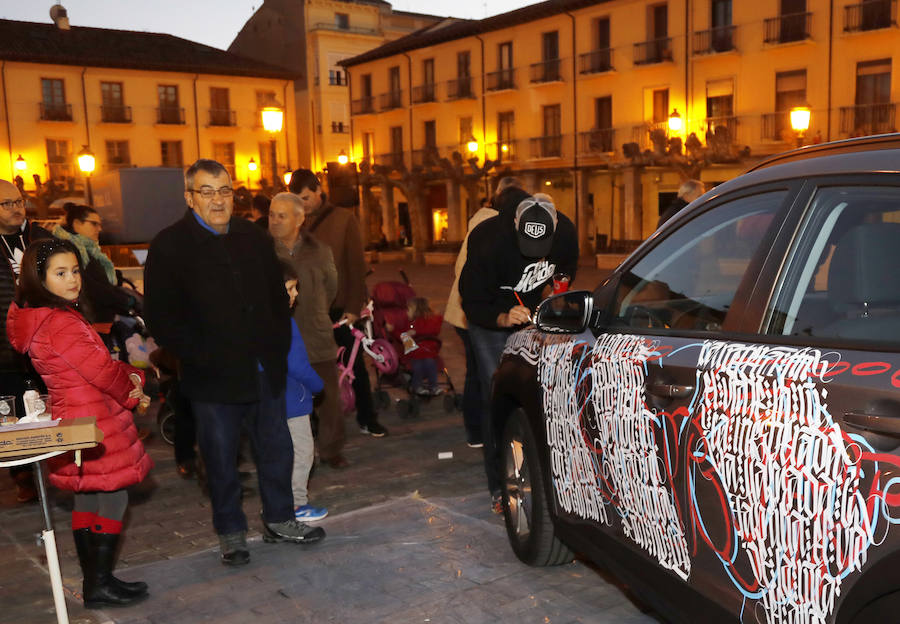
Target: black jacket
x=10 y=359
x=218 y=303
x=495 y=267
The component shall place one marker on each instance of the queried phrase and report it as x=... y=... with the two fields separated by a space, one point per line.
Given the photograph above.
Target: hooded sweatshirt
x=496 y=270
x=83 y=380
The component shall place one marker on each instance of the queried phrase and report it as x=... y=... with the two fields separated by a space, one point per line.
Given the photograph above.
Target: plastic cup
x=8 y=410
x=560 y=283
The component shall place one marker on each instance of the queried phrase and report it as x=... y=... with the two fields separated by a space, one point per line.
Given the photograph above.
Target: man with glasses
x=215 y=298
x=16 y=234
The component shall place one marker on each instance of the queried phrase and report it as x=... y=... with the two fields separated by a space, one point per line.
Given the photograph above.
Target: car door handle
x=670 y=391
x=889 y=425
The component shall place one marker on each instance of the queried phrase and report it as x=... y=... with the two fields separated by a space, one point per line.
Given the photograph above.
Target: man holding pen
x=509 y=270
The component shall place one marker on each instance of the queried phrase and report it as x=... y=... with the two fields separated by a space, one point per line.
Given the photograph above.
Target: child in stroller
x=421 y=345
x=392 y=308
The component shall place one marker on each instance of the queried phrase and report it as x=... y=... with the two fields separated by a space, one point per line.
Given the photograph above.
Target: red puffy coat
x=83 y=380
x=427 y=329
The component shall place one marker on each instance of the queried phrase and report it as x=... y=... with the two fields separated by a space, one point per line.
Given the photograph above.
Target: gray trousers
x=302 y=438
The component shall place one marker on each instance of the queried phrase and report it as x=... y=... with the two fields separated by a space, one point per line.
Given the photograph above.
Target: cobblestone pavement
x=410 y=538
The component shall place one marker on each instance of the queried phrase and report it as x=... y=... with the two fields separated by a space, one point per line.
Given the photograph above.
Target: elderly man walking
x=215 y=297
x=318 y=279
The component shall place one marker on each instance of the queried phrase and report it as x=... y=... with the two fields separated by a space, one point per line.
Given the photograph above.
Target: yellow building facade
x=135 y=99
x=566 y=95
x=312 y=37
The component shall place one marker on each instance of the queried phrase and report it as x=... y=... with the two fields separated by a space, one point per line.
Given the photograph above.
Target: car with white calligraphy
x=718 y=422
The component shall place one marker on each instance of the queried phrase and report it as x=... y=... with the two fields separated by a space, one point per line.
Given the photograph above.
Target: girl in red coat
x=421 y=345
x=83 y=380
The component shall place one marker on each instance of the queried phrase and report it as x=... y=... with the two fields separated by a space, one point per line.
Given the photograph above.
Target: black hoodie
x=495 y=268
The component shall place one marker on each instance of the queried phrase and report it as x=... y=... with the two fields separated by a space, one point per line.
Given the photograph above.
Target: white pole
x=59 y=599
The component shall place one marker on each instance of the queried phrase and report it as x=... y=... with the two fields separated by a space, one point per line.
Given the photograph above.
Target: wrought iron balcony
x=424 y=93
x=722 y=128
x=115 y=114
x=868 y=119
x=339 y=127
x=363 y=106
x=787 y=28
x=547 y=71
x=391 y=100
x=501 y=80
x=653 y=51
x=55 y=112
x=460 y=88
x=776 y=126
x=170 y=115
x=429 y=156
x=547 y=147
x=596 y=62
x=337 y=79
x=392 y=159
x=870 y=15
x=598 y=141
x=502 y=151
x=642 y=133
x=720 y=39
x=222 y=117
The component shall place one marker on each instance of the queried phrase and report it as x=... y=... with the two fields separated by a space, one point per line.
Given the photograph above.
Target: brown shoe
x=337 y=462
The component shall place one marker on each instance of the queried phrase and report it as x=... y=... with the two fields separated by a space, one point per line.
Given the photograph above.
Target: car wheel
x=165 y=421
x=525 y=507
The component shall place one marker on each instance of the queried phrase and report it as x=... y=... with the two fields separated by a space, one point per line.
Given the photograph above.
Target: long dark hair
x=31 y=291
x=76 y=212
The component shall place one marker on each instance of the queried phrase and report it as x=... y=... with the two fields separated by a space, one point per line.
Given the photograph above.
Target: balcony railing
x=868 y=119
x=503 y=151
x=722 y=128
x=424 y=93
x=426 y=157
x=641 y=134
x=501 y=80
x=392 y=159
x=596 y=62
x=55 y=112
x=547 y=71
x=60 y=171
x=170 y=115
x=391 y=100
x=547 y=147
x=339 y=127
x=460 y=88
x=222 y=117
x=336 y=79
x=115 y=114
x=787 y=28
x=776 y=127
x=598 y=141
x=653 y=51
x=362 y=106
x=870 y=15
x=714 y=40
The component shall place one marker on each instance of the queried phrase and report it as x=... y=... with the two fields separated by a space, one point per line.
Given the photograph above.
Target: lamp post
x=676 y=123
x=87 y=163
x=273 y=121
x=251 y=167
x=800 y=122
x=21 y=165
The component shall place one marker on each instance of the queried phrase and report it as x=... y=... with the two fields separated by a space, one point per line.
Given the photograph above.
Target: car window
x=688 y=281
x=841 y=279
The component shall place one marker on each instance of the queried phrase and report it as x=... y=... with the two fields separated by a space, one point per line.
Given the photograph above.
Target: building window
x=171 y=154
x=660 y=106
x=220 y=113
x=342 y=21
x=117 y=154
x=466 y=133
x=790 y=91
x=366 y=85
x=396 y=156
x=600 y=139
x=268 y=161
x=873 y=112
x=169 y=111
x=368 y=146
x=113 y=103
x=463 y=64
x=506 y=122
x=721 y=124
x=337 y=78
x=59 y=159
x=53 y=100
x=224 y=153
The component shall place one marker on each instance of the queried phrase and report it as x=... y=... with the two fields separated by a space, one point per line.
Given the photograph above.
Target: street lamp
x=87 y=163
x=342 y=158
x=272 y=115
x=800 y=122
x=251 y=167
x=21 y=165
x=472 y=145
x=287 y=177
x=676 y=123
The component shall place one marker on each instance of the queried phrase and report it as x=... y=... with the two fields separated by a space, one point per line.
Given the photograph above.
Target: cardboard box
x=43 y=437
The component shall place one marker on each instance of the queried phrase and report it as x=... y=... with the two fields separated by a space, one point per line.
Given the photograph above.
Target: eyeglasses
x=96 y=224
x=208 y=193
x=12 y=204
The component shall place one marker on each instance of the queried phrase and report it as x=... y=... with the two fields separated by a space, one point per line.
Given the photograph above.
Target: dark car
x=719 y=421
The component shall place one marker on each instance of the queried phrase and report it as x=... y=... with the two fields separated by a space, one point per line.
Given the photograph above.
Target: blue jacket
x=302 y=380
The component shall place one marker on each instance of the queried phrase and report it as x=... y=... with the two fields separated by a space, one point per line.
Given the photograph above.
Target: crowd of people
x=249 y=316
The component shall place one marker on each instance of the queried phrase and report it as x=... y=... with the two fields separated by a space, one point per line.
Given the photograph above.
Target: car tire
x=526 y=511
x=165 y=421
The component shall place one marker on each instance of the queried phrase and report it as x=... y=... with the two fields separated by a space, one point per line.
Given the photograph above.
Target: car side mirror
x=565 y=313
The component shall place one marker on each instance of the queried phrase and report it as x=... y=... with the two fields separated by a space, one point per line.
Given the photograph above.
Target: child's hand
x=143 y=404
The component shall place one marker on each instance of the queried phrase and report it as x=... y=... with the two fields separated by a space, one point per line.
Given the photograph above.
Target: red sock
x=82 y=519
x=106 y=525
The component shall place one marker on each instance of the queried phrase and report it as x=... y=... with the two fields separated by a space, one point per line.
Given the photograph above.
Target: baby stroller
x=390 y=303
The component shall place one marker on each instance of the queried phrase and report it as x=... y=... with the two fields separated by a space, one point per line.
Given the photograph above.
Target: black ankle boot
x=101 y=588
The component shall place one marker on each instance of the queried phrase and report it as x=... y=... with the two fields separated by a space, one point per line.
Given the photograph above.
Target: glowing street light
x=272 y=115
x=472 y=145
x=800 y=122
x=87 y=163
x=287 y=177
x=676 y=123
x=342 y=158
x=21 y=165
x=251 y=166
